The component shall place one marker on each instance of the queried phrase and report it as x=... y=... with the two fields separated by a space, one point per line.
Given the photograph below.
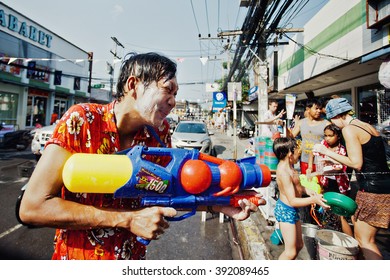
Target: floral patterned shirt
x=91 y=128
x=342 y=178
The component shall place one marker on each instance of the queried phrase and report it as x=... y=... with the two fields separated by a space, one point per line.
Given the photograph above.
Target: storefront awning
x=375 y=54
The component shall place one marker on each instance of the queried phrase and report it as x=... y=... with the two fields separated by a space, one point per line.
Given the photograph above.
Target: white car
x=41 y=136
x=193 y=135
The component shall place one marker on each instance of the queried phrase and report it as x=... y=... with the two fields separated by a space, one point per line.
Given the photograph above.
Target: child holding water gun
x=290 y=198
x=332 y=176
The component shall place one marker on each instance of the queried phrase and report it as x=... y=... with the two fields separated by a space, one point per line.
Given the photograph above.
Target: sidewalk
x=254 y=233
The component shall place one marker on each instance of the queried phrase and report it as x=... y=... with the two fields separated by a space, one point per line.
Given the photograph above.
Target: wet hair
x=283 y=145
x=313 y=101
x=335 y=129
x=148 y=67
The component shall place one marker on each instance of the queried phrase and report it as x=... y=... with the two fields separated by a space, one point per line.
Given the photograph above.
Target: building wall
x=334 y=36
x=33 y=90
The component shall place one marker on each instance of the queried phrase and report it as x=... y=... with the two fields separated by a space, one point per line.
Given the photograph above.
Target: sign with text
x=235 y=91
x=219 y=101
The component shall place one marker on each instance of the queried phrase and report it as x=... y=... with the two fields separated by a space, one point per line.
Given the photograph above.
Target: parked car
x=193 y=135
x=10 y=138
x=41 y=136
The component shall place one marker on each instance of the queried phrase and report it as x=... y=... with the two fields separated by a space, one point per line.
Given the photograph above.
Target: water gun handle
x=233 y=202
x=143 y=241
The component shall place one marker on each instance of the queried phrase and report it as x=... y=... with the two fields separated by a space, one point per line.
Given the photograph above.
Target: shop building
x=41 y=73
x=339 y=52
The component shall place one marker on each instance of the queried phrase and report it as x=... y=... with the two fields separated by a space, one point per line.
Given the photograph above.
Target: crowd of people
x=333 y=144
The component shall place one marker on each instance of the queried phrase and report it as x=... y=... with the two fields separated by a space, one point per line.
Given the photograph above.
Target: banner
x=290 y=105
x=235 y=91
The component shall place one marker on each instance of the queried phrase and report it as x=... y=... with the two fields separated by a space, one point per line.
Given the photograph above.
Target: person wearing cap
x=366 y=155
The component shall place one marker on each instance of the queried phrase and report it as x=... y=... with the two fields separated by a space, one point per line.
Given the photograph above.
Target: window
x=374 y=104
x=378 y=13
x=8 y=108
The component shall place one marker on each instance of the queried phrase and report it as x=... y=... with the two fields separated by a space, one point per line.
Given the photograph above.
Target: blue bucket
x=276 y=237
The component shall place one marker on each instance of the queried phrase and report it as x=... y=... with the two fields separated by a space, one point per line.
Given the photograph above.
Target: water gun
x=189 y=180
x=313 y=184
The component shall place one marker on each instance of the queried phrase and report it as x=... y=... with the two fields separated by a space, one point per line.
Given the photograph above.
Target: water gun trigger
x=171 y=219
x=224 y=192
x=228 y=191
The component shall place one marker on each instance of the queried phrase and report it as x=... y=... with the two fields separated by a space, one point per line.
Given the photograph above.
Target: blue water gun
x=189 y=180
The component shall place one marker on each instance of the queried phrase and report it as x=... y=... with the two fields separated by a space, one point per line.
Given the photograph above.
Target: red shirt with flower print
x=91 y=128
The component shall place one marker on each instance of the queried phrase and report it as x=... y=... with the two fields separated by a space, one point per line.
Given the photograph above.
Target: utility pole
x=111 y=67
x=262 y=99
x=90 y=60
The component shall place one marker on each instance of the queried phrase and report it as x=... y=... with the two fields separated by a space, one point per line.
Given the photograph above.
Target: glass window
x=373 y=104
x=8 y=108
x=9 y=45
x=36 y=111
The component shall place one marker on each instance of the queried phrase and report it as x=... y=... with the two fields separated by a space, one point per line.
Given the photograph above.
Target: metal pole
x=235 y=121
x=90 y=59
x=114 y=53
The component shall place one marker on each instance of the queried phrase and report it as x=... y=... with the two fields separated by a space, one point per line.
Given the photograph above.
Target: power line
x=207 y=17
x=305 y=47
x=196 y=22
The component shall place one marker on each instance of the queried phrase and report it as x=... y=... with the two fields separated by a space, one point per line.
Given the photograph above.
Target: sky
x=170 y=27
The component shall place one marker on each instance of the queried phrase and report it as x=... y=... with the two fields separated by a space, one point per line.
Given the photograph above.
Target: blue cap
x=336 y=107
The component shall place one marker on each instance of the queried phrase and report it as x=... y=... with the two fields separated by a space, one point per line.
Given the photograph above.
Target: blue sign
x=219 y=101
x=253 y=93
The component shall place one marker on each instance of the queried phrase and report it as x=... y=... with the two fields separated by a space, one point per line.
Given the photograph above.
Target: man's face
x=315 y=111
x=156 y=101
x=273 y=107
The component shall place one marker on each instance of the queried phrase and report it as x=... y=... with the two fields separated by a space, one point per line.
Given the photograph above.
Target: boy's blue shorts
x=286 y=214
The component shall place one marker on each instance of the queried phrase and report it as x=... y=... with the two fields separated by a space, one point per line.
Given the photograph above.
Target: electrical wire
x=196 y=21
x=207 y=17
x=305 y=47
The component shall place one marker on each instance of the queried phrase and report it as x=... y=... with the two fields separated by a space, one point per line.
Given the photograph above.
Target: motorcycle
x=250 y=148
x=246 y=132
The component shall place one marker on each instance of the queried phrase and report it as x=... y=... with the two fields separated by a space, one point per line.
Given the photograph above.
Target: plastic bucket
x=309 y=232
x=260 y=147
x=276 y=237
x=269 y=156
x=334 y=245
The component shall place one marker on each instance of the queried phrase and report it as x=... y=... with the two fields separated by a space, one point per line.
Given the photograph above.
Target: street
x=17 y=241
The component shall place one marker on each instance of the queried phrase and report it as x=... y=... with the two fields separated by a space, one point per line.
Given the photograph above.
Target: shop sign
x=219 y=101
x=253 y=93
x=28 y=31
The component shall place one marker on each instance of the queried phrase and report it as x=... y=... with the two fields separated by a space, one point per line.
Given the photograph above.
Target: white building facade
x=339 y=53
x=40 y=72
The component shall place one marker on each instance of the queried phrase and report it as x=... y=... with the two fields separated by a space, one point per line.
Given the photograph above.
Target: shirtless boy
x=286 y=209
